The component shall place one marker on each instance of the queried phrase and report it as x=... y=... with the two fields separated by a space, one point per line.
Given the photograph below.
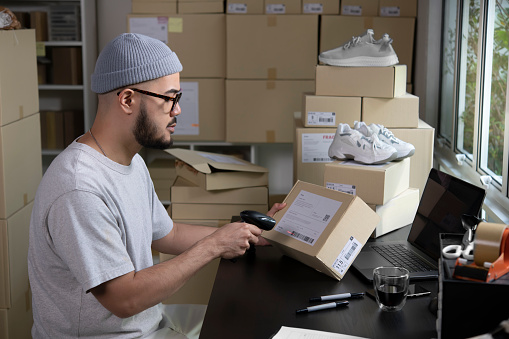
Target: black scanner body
x=258 y=219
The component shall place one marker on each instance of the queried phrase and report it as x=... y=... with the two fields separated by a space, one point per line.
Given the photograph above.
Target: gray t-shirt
x=93 y=220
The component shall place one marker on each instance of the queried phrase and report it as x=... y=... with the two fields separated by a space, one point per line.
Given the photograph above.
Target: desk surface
x=259 y=293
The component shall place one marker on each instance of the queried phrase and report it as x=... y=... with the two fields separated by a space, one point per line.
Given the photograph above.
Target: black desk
x=255 y=296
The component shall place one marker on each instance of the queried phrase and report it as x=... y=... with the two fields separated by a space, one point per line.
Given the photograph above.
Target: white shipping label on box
x=322 y=118
x=154 y=27
x=237 y=8
x=315 y=147
x=312 y=8
x=352 y=10
x=345 y=258
x=350 y=189
x=221 y=158
x=189 y=122
x=307 y=217
x=390 y=11
x=275 y=9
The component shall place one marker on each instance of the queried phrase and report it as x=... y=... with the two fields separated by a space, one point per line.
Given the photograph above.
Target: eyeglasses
x=166 y=98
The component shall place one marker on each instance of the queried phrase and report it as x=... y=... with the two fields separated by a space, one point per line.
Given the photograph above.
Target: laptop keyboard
x=399 y=255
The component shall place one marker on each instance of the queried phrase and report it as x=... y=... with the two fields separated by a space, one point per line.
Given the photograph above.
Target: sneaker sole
x=409 y=154
x=362 y=61
x=341 y=156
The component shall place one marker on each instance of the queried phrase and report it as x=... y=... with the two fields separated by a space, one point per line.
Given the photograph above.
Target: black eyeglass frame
x=166 y=98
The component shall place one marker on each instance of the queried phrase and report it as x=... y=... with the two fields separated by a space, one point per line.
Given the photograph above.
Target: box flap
x=206 y=162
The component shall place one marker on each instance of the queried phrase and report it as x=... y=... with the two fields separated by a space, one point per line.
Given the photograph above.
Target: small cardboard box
x=398 y=8
x=397 y=212
x=200 y=7
x=402 y=111
x=19 y=94
x=325 y=111
x=213 y=171
x=322 y=228
x=154 y=7
x=274 y=119
x=162 y=168
x=206 y=31
x=20 y=164
x=311 y=152
x=212 y=211
x=264 y=46
x=375 y=184
x=185 y=192
x=244 y=7
x=359 y=7
x=282 y=6
x=376 y=82
x=320 y=7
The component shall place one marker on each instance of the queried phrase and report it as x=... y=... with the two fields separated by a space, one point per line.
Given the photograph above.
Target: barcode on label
x=351 y=251
x=301 y=237
x=322 y=159
x=325 y=119
x=327 y=216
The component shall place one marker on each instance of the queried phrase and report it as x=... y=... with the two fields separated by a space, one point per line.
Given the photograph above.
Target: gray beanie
x=132 y=58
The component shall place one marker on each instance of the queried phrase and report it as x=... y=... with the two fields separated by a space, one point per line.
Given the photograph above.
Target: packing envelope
x=322 y=228
x=212 y=171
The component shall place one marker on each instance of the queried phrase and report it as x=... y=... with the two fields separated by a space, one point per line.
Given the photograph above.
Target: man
x=96 y=215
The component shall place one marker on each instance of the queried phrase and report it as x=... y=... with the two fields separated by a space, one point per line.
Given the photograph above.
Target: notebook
x=444 y=200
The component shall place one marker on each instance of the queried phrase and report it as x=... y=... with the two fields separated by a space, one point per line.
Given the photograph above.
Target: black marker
x=337 y=296
x=323 y=306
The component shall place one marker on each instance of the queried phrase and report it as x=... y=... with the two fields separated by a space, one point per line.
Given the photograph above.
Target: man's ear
x=125 y=100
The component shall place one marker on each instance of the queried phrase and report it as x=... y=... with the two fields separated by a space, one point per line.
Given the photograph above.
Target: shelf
x=69 y=43
x=61 y=87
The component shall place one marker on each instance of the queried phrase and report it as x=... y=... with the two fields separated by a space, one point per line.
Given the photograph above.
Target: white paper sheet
x=299 y=333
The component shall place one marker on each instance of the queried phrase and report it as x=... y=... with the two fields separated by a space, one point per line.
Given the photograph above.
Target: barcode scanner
x=258 y=219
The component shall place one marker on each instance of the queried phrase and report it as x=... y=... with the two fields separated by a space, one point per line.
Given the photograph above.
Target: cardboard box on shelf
x=212 y=211
x=328 y=111
x=154 y=7
x=398 y=8
x=244 y=7
x=185 y=192
x=311 y=152
x=39 y=22
x=320 y=7
x=213 y=171
x=67 y=65
x=203 y=104
x=335 y=30
x=401 y=111
x=376 y=82
x=18 y=75
x=200 y=7
x=263 y=46
x=282 y=6
x=21 y=164
x=421 y=162
x=397 y=212
x=162 y=168
x=359 y=7
x=206 y=31
x=375 y=184
x=322 y=228
x=267 y=104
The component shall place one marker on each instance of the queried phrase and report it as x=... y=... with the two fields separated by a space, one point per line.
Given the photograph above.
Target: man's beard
x=145 y=131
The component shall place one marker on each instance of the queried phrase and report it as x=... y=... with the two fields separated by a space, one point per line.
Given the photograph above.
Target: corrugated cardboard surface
x=271 y=46
x=282 y=7
x=20 y=164
x=402 y=111
x=377 y=82
x=200 y=7
x=162 y=169
x=324 y=7
x=212 y=211
x=263 y=110
x=244 y=7
x=346 y=110
x=375 y=184
x=19 y=93
x=360 y=7
x=154 y=7
x=398 y=8
x=353 y=219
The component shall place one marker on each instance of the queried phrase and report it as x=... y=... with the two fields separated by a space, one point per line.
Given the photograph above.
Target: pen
x=337 y=296
x=323 y=306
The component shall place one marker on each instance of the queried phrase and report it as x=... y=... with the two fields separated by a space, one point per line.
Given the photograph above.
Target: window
x=473 y=105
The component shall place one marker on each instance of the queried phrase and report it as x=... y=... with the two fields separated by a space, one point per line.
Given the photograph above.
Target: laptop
x=444 y=200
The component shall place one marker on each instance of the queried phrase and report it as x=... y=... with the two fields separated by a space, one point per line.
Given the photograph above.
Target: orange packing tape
x=488 y=239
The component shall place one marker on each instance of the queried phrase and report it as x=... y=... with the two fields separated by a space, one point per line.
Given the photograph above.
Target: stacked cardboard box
x=209 y=190
x=163 y=174
x=178 y=6
x=282 y=7
x=20 y=174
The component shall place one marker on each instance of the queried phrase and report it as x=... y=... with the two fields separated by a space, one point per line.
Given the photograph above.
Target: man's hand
x=276 y=207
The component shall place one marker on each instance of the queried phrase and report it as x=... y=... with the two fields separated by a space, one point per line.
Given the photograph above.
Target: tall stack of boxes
x=20 y=174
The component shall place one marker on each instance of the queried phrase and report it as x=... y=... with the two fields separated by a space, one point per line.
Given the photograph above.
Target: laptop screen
x=444 y=200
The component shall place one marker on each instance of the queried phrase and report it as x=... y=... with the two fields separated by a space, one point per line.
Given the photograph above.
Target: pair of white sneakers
x=373 y=144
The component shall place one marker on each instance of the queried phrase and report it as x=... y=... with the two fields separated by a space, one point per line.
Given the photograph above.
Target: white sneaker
x=404 y=149
x=351 y=144
x=362 y=51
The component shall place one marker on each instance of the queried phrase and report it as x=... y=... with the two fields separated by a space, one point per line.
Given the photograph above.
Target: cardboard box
x=322 y=228
x=421 y=162
x=401 y=111
x=185 y=192
x=200 y=7
x=206 y=31
x=154 y=7
x=359 y=7
x=67 y=65
x=396 y=213
x=19 y=93
x=203 y=107
x=376 y=82
x=282 y=6
x=271 y=46
x=320 y=7
x=325 y=111
x=267 y=104
x=212 y=211
x=335 y=30
x=213 y=171
x=375 y=184
x=162 y=188
x=311 y=152
x=398 y=8
x=20 y=164
x=162 y=168
x=244 y=7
